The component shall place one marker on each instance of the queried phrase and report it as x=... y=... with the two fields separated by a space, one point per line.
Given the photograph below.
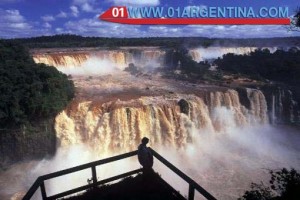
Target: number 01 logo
x=118 y=12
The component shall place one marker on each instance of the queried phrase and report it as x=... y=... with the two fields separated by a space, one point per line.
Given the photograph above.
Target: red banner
x=120 y=15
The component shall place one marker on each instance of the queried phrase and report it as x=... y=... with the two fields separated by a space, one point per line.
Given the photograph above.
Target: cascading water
x=201 y=54
x=121 y=124
x=284 y=107
x=59 y=60
x=118 y=58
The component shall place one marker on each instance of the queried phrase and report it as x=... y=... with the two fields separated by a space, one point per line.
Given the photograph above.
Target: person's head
x=145 y=140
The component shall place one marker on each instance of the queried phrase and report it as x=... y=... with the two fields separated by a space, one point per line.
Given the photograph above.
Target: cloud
x=75 y=11
x=47 y=25
x=80 y=2
x=87 y=7
x=12 y=16
x=95 y=27
x=13 y=23
x=136 y=2
x=90 y=6
x=62 y=15
x=48 y=18
x=59 y=30
x=221 y=31
x=19 y=25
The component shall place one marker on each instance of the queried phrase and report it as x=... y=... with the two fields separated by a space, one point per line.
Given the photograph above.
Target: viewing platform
x=137 y=187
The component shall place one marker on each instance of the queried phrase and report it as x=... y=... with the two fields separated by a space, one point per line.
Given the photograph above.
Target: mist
x=225 y=163
x=18 y=179
x=92 y=66
x=202 y=54
x=98 y=66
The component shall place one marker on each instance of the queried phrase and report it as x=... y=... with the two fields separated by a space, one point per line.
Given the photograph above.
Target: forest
x=280 y=66
x=29 y=91
x=68 y=40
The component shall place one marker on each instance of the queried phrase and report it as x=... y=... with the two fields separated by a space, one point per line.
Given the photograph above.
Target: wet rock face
x=283 y=104
x=27 y=143
x=184 y=106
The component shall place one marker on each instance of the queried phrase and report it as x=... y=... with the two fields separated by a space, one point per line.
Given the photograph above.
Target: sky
x=29 y=18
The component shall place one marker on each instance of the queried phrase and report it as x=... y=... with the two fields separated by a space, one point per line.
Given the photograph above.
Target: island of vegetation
x=31 y=96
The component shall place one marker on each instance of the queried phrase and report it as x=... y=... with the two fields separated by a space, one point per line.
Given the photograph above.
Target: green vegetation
x=281 y=66
x=67 y=40
x=284 y=185
x=29 y=91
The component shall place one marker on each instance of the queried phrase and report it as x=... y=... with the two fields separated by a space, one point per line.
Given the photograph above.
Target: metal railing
x=39 y=183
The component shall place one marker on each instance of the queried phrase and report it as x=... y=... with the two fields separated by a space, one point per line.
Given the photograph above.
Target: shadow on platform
x=134 y=188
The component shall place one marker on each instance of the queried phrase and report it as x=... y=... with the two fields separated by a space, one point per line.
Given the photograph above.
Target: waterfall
x=58 y=60
x=285 y=108
x=121 y=124
x=201 y=54
x=120 y=58
x=273 y=109
x=258 y=105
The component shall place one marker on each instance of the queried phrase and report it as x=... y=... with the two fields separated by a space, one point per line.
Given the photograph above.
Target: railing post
x=43 y=190
x=94 y=175
x=191 y=192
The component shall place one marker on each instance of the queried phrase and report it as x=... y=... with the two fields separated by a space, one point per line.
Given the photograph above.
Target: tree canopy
x=68 y=40
x=29 y=91
x=281 y=66
x=284 y=185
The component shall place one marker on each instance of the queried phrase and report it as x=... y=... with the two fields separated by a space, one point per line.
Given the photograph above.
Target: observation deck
x=154 y=187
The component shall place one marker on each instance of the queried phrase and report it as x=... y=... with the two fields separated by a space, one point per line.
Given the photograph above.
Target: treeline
x=29 y=91
x=67 y=40
x=280 y=66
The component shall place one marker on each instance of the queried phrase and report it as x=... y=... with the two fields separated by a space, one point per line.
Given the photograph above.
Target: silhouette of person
x=145 y=156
